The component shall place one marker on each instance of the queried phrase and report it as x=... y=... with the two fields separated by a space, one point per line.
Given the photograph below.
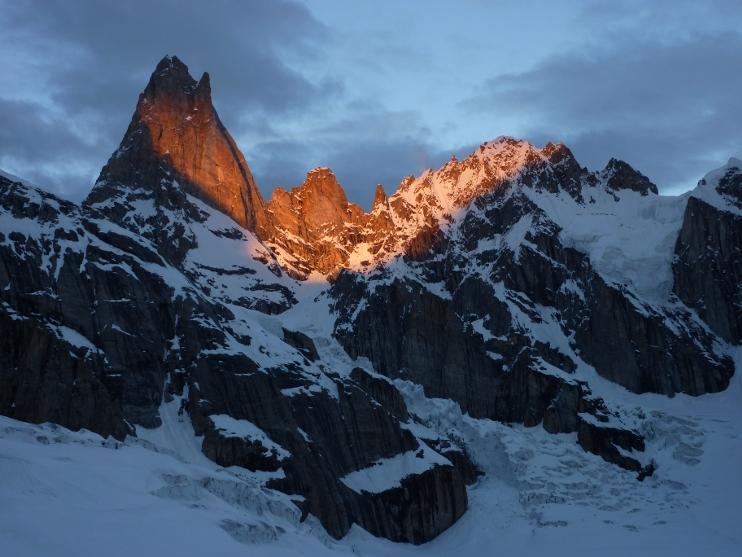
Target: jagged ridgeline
x=516 y=283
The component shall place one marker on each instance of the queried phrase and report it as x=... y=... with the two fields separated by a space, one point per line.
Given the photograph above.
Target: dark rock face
x=171 y=278
x=730 y=184
x=474 y=342
x=328 y=438
x=405 y=513
x=626 y=341
x=235 y=451
x=382 y=391
x=53 y=383
x=107 y=369
x=604 y=440
x=302 y=343
x=620 y=176
x=77 y=313
x=708 y=266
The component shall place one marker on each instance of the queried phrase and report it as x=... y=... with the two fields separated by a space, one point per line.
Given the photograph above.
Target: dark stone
x=414 y=511
x=302 y=343
x=603 y=440
x=342 y=435
x=383 y=391
x=708 y=267
x=234 y=451
x=621 y=176
x=730 y=185
x=459 y=457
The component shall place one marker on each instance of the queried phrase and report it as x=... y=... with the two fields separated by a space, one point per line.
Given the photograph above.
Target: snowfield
x=75 y=493
x=65 y=493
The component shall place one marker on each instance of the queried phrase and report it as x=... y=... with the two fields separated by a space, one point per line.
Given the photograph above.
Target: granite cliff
x=515 y=284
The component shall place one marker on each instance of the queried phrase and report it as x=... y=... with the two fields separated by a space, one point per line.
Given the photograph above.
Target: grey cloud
x=95 y=57
x=32 y=132
x=670 y=109
x=649 y=84
x=359 y=164
x=42 y=147
x=368 y=144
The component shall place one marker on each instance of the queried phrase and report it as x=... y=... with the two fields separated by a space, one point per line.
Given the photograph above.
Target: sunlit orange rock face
x=176 y=125
x=316 y=228
x=315 y=223
x=176 y=135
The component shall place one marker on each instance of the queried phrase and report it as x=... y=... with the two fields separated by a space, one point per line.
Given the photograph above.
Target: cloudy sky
x=378 y=90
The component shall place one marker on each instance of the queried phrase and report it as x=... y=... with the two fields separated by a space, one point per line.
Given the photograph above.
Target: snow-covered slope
x=511 y=334
x=68 y=493
x=721 y=187
x=539 y=491
x=638 y=249
x=144 y=295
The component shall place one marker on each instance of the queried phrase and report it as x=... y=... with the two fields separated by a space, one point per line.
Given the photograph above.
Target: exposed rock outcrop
x=708 y=252
x=148 y=291
x=176 y=134
x=173 y=278
x=382 y=391
x=315 y=224
x=500 y=318
x=328 y=438
x=620 y=176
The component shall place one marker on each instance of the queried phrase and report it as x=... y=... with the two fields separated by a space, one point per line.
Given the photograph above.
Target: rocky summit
x=175 y=135
x=302 y=359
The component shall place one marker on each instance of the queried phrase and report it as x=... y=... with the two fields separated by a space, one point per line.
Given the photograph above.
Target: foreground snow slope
x=246 y=408
x=71 y=493
x=66 y=493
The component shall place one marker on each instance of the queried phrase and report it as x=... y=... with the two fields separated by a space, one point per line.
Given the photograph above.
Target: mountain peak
x=171 y=65
x=176 y=136
x=620 y=175
x=170 y=78
x=726 y=180
x=380 y=197
x=321 y=181
x=557 y=152
x=204 y=84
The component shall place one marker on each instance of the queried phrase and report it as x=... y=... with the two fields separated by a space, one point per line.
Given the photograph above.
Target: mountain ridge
x=176 y=131
x=322 y=352
x=422 y=203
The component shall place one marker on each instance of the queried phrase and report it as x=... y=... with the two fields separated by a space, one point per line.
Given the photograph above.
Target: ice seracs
x=304 y=370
